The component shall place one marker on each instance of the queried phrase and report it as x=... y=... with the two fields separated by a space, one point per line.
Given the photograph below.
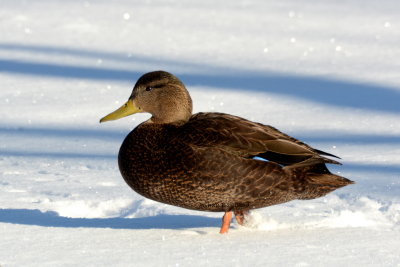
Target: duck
x=212 y=161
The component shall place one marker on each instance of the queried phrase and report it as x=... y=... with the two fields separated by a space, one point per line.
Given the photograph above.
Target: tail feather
x=331 y=180
x=321 y=184
x=318 y=180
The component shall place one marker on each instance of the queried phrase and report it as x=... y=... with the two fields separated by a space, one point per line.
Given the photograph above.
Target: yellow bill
x=127 y=109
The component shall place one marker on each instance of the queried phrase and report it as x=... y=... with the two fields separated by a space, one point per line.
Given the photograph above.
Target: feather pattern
x=205 y=164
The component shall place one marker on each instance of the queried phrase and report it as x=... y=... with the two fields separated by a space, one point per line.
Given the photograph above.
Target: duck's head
x=159 y=93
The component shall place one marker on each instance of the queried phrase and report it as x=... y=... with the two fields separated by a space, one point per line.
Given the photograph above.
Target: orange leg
x=239 y=216
x=226 y=222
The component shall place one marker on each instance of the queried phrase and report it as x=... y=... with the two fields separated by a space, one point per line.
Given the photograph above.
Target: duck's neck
x=177 y=111
x=172 y=120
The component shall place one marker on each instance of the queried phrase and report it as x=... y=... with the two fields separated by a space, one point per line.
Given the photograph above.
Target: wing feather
x=247 y=139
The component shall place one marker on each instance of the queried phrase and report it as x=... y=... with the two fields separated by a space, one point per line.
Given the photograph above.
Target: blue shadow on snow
x=52 y=219
x=323 y=90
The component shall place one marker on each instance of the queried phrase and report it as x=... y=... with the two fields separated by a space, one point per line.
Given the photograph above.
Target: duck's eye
x=155 y=86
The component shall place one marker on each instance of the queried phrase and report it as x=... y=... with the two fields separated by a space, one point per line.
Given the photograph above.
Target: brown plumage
x=205 y=161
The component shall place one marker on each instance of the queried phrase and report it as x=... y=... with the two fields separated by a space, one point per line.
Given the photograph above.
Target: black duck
x=205 y=161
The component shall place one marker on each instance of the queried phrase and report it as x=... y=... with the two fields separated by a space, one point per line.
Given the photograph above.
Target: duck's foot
x=226 y=222
x=240 y=216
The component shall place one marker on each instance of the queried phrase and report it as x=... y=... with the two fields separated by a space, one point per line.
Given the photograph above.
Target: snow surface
x=326 y=72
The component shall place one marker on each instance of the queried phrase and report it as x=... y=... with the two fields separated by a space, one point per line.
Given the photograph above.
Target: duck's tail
x=317 y=180
x=322 y=184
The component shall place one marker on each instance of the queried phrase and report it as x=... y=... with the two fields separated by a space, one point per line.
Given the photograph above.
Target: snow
x=326 y=72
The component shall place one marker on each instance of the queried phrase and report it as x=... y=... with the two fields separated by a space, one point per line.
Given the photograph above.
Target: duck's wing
x=248 y=139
